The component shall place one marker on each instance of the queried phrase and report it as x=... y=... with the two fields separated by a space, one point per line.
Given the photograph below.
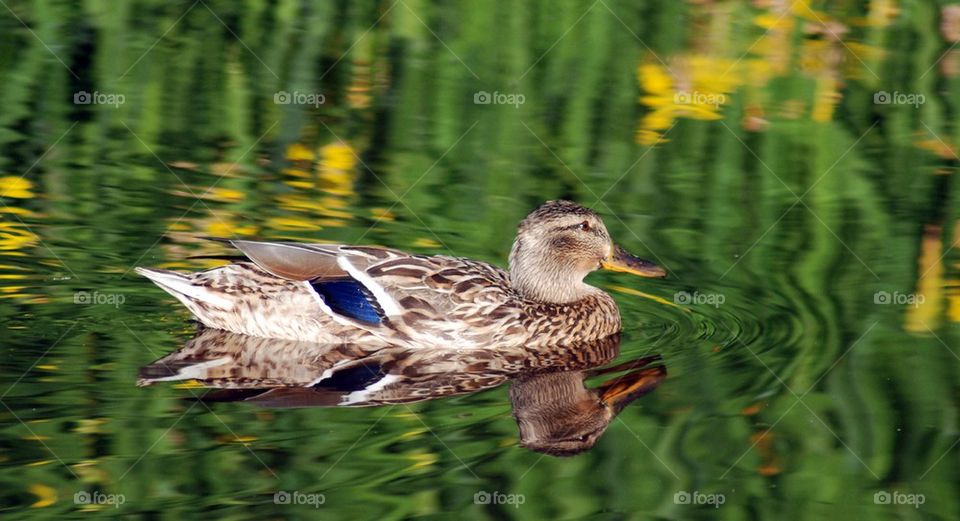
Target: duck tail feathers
x=185 y=288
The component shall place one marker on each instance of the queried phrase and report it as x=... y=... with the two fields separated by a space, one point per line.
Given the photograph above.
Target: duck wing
x=299 y=261
x=428 y=299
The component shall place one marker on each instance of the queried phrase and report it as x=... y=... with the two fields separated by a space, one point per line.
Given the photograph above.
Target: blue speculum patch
x=349 y=298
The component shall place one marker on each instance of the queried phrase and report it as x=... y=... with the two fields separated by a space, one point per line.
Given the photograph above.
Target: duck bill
x=620 y=392
x=621 y=260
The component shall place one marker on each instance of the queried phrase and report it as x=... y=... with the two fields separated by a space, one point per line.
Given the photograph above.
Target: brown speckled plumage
x=225 y=360
x=422 y=301
x=556 y=412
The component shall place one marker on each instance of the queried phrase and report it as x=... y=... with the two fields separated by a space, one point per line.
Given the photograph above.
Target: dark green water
x=792 y=167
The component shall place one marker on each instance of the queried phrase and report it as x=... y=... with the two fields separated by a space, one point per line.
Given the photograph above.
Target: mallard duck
x=380 y=297
x=556 y=412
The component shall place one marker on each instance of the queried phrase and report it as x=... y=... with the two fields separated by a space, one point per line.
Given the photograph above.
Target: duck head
x=561 y=242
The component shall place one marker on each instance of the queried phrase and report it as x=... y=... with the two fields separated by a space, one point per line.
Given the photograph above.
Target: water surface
x=791 y=164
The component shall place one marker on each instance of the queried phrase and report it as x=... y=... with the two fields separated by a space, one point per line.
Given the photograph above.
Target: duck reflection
x=555 y=410
x=559 y=415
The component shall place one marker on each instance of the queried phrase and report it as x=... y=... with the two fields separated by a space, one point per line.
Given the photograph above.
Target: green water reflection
x=790 y=162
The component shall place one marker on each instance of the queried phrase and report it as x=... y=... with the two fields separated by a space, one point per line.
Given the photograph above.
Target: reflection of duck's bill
x=622 y=260
x=619 y=392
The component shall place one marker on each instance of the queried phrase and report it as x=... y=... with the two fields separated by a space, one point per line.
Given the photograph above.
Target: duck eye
x=584 y=226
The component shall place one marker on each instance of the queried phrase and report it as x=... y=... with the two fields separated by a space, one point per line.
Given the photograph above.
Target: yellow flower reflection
x=16 y=240
x=46 y=495
x=337 y=161
x=15 y=236
x=793 y=40
x=298 y=152
x=15 y=187
x=225 y=195
x=333 y=176
x=694 y=88
x=923 y=315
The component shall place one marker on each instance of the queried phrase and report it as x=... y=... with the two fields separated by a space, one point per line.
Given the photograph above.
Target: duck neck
x=544 y=279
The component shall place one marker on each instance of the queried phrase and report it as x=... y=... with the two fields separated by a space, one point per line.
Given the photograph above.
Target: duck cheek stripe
x=349 y=298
